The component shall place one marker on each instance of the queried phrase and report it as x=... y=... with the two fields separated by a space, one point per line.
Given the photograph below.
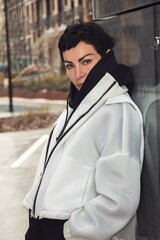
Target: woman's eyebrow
x=88 y=54
x=80 y=59
x=66 y=61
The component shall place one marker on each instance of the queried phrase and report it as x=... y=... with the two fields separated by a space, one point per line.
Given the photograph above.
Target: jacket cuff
x=67 y=234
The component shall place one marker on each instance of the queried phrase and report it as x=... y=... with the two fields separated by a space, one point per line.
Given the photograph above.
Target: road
x=19 y=157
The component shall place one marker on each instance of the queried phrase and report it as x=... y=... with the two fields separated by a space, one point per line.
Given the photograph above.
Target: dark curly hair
x=89 y=32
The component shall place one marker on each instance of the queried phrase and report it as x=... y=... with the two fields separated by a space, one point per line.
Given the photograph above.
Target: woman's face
x=79 y=61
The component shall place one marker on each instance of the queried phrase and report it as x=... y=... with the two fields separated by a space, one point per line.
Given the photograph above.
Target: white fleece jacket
x=93 y=176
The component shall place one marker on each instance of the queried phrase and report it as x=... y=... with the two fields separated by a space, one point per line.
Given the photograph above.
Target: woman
x=87 y=184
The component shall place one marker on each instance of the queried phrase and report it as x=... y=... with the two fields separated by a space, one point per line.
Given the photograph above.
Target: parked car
x=36 y=72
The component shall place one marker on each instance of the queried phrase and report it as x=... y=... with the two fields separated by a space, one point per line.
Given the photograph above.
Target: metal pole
x=8 y=58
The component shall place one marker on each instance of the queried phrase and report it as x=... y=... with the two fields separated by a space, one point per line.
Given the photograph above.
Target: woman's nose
x=79 y=72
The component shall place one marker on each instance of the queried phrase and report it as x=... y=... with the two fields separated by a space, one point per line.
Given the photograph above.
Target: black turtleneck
x=121 y=73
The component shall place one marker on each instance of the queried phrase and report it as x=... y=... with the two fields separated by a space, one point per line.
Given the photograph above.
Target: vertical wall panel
x=135 y=25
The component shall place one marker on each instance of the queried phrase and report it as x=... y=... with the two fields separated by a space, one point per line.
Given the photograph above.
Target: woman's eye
x=68 y=66
x=85 y=62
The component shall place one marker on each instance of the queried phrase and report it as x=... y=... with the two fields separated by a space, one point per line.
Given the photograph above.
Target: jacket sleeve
x=117 y=180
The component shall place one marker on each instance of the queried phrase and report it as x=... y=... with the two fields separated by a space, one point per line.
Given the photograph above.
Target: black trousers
x=45 y=229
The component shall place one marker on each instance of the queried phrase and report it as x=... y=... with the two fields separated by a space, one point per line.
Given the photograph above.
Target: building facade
x=31 y=20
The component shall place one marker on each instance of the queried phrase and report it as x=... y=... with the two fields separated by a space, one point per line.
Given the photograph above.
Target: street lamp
x=8 y=58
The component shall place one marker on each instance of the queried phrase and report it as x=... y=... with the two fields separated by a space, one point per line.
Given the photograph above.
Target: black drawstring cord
x=29 y=217
x=65 y=122
x=66 y=119
x=47 y=149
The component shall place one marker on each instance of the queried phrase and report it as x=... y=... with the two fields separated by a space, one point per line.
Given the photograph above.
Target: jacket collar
x=104 y=90
x=121 y=73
